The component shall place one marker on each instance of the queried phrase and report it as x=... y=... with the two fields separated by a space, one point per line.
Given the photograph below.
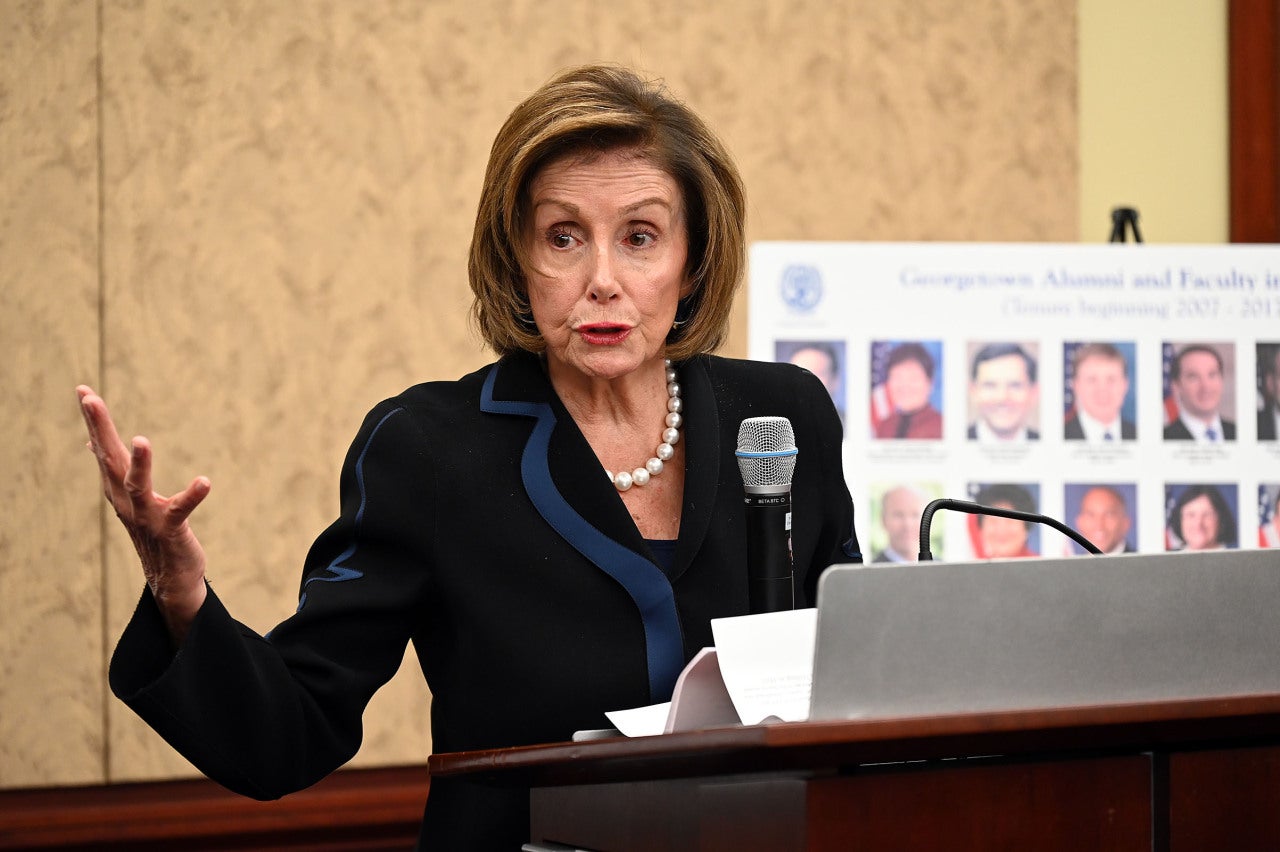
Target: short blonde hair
x=594 y=109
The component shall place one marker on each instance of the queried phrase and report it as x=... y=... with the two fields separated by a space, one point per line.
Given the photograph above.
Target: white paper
x=766 y=662
x=761 y=669
x=700 y=700
x=641 y=721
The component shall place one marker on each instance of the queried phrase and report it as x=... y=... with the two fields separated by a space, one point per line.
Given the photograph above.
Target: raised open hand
x=172 y=559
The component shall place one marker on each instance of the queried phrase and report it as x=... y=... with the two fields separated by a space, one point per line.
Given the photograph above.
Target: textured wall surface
x=287 y=197
x=51 y=640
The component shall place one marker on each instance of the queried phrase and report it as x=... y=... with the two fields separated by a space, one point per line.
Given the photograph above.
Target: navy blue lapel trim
x=643 y=581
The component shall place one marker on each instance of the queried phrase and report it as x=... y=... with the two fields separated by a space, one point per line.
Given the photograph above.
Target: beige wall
x=1153 y=118
x=51 y=639
x=246 y=222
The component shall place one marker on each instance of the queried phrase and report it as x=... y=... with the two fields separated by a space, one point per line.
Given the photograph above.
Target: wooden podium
x=1172 y=775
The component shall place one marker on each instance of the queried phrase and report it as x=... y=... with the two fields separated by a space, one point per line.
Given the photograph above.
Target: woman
x=1002 y=538
x=477 y=519
x=909 y=384
x=1201 y=520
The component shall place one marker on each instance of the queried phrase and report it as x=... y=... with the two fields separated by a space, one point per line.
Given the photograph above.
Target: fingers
x=105 y=445
x=103 y=438
x=137 y=477
x=182 y=504
x=127 y=473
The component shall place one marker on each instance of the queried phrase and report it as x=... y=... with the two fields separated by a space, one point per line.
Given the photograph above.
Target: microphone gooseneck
x=766 y=459
x=926 y=520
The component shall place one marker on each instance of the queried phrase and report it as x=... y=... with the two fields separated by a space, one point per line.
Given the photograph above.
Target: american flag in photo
x=1068 y=395
x=881 y=401
x=1171 y=541
x=1268 y=532
x=1170 y=404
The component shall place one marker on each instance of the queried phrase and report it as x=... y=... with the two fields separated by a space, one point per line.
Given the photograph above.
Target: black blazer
x=1266 y=423
x=477 y=522
x=1177 y=431
x=1073 y=431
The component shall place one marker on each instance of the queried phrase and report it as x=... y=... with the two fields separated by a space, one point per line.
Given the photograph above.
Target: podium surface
x=1169 y=775
x=1101 y=703
x=924 y=638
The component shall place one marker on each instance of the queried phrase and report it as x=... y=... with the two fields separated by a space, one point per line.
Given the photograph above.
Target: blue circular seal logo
x=801 y=287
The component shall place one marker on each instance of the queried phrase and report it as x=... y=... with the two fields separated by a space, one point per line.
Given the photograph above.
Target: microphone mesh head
x=767 y=435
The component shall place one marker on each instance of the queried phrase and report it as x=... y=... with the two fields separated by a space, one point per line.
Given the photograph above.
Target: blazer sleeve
x=267 y=715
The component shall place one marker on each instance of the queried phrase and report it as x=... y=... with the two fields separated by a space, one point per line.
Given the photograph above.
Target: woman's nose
x=604 y=281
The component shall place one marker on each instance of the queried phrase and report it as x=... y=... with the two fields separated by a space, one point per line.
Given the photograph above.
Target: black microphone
x=926 y=520
x=767 y=458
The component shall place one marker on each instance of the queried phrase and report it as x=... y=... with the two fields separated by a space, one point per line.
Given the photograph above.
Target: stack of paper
x=760 y=670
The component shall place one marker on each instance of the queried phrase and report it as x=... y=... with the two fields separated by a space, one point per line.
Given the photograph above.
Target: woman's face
x=1199 y=524
x=909 y=386
x=1003 y=537
x=608 y=251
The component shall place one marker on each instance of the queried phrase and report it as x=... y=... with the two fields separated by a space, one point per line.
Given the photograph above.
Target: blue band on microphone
x=648 y=587
x=772 y=454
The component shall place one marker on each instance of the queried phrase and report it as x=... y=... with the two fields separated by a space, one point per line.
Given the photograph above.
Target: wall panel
x=288 y=192
x=277 y=261
x=51 y=683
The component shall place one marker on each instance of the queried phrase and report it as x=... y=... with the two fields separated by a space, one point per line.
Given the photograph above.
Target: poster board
x=1154 y=334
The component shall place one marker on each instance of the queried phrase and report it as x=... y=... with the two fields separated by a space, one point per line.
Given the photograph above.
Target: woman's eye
x=640 y=239
x=561 y=239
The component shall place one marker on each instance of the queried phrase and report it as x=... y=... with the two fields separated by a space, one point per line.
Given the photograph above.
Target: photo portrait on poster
x=1269 y=514
x=1104 y=513
x=1201 y=516
x=1099 y=391
x=906 y=389
x=1004 y=391
x=1151 y=368
x=1199 y=392
x=895 y=521
x=824 y=358
x=1268 y=362
x=1004 y=538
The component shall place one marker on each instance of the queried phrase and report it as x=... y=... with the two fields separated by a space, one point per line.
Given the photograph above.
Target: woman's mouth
x=604 y=334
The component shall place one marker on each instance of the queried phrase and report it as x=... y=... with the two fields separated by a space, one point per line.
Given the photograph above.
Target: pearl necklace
x=670 y=437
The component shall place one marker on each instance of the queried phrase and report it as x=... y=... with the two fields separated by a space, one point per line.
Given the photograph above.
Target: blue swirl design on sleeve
x=648 y=587
x=339 y=571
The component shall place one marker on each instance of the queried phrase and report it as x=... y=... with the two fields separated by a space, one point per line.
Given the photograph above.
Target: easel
x=1124 y=219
